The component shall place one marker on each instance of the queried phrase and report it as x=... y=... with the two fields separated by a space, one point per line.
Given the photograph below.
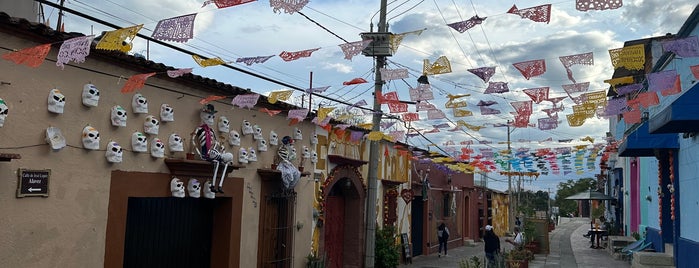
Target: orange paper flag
x=135 y=82
x=32 y=57
x=270 y=112
x=210 y=99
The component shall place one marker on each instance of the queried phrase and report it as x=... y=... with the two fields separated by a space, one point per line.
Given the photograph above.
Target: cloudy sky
x=253 y=29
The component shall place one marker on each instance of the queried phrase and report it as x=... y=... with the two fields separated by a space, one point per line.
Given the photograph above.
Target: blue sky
x=253 y=29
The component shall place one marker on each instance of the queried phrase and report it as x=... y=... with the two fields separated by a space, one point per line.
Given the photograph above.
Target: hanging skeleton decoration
x=209 y=149
x=283 y=159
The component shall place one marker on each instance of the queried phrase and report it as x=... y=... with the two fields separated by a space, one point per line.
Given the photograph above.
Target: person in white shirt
x=518 y=240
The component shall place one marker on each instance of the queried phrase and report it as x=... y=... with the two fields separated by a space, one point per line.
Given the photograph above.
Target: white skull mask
x=139 y=104
x=292 y=153
x=91 y=138
x=207 y=190
x=176 y=143
x=114 y=152
x=157 y=148
x=242 y=156
x=257 y=134
x=252 y=155
x=247 y=127
x=207 y=118
x=151 y=125
x=273 y=138
x=177 y=187
x=139 y=142
x=224 y=126
x=234 y=138
x=297 y=134
x=55 y=138
x=56 y=101
x=118 y=116
x=306 y=154
x=194 y=188
x=91 y=95
x=314 y=157
x=314 y=139
x=167 y=113
x=4 y=110
x=262 y=145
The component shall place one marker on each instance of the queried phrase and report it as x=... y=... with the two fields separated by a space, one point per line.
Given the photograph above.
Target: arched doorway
x=343 y=237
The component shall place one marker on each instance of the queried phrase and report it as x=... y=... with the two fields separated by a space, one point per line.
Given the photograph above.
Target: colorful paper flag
x=74 y=49
x=178 y=72
x=585 y=5
x=135 y=82
x=210 y=99
x=245 y=100
x=177 y=29
x=289 y=6
x=283 y=95
x=226 y=3
x=462 y=26
x=540 y=13
x=630 y=57
x=32 y=57
x=290 y=56
x=484 y=73
x=252 y=60
x=440 y=66
x=116 y=40
x=207 y=62
x=354 y=48
x=531 y=68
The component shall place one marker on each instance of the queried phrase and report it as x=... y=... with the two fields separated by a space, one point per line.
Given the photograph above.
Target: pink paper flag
x=435 y=114
x=410 y=117
x=522 y=107
x=424 y=106
x=74 y=49
x=674 y=90
x=177 y=29
x=178 y=72
x=576 y=88
x=135 y=82
x=695 y=71
x=298 y=114
x=538 y=13
x=397 y=107
x=318 y=89
x=393 y=74
x=353 y=49
x=246 y=100
x=649 y=98
x=422 y=92
x=389 y=97
x=537 y=94
x=484 y=73
x=531 y=68
x=556 y=100
x=567 y=61
x=290 y=56
x=462 y=26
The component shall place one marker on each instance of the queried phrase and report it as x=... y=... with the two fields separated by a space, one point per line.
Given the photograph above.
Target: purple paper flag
x=462 y=26
x=487 y=110
x=435 y=114
x=246 y=100
x=299 y=114
x=177 y=29
x=661 y=80
x=75 y=49
x=486 y=103
x=484 y=73
x=356 y=136
x=683 y=47
x=178 y=72
x=547 y=123
x=623 y=90
x=497 y=87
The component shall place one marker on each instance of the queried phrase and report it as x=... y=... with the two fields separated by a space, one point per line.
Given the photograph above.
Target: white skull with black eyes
x=4 y=110
x=242 y=156
x=252 y=155
x=247 y=128
x=91 y=138
x=167 y=113
x=177 y=187
x=297 y=134
x=224 y=125
x=257 y=134
x=118 y=116
x=262 y=145
x=139 y=142
x=234 y=138
x=91 y=95
x=57 y=101
x=157 y=148
x=207 y=118
x=114 y=152
x=292 y=153
x=273 y=138
x=176 y=143
x=306 y=154
x=151 y=125
x=207 y=190
x=314 y=139
x=314 y=157
x=139 y=104
x=194 y=188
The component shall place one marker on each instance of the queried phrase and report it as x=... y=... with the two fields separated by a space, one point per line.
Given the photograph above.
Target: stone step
x=469 y=243
x=652 y=259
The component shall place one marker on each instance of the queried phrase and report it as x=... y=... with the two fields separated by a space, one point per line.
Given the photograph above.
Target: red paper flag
x=210 y=99
x=135 y=82
x=531 y=68
x=32 y=57
x=270 y=112
x=354 y=81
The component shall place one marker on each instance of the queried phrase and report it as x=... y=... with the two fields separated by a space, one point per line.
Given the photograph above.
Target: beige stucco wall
x=67 y=229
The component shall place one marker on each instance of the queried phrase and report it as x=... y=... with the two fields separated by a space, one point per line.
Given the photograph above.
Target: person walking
x=492 y=246
x=443 y=237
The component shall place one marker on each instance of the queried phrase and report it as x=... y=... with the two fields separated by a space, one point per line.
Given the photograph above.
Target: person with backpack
x=443 y=237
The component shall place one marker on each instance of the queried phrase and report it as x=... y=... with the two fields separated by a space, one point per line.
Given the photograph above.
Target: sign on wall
x=33 y=182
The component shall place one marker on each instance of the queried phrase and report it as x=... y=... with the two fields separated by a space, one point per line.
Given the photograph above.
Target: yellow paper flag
x=279 y=95
x=207 y=62
x=631 y=57
x=462 y=113
x=116 y=40
x=575 y=120
x=440 y=66
x=323 y=112
x=394 y=40
x=366 y=126
x=375 y=136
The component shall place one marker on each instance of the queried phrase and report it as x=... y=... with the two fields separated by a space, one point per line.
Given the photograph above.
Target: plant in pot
x=530 y=235
x=518 y=258
x=314 y=261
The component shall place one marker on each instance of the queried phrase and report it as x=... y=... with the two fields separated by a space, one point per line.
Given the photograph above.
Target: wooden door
x=334 y=230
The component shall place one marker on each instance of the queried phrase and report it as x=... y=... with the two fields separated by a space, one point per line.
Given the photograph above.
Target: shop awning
x=682 y=116
x=642 y=143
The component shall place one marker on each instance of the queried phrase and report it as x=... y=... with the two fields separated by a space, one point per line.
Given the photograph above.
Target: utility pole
x=380 y=49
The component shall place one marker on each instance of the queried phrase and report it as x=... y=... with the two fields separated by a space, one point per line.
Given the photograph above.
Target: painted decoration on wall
x=175 y=143
x=56 y=101
x=151 y=125
x=90 y=95
x=91 y=138
x=139 y=142
x=114 y=153
x=54 y=136
x=177 y=188
x=167 y=113
x=118 y=116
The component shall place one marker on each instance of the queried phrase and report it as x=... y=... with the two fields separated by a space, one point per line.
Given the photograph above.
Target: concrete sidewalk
x=568 y=248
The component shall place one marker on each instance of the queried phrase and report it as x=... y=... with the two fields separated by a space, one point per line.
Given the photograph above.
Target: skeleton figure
x=273 y=138
x=208 y=193
x=4 y=110
x=234 y=138
x=314 y=157
x=262 y=145
x=314 y=139
x=224 y=126
x=285 y=154
x=252 y=155
x=242 y=156
x=151 y=125
x=177 y=188
x=175 y=143
x=91 y=138
x=56 y=101
x=167 y=113
x=207 y=115
x=139 y=104
x=118 y=116
x=55 y=138
x=297 y=134
x=247 y=127
x=157 y=148
x=206 y=144
x=114 y=152
x=91 y=95
x=257 y=134
x=139 y=142
x=194 y=188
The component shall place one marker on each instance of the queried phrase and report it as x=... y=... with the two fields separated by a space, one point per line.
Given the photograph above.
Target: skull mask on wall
x=139 y=142
x=139 y=104
x=55 y=138
x=262 y=145
x=297 y=134
x=114 y=152
x=252 y=155
x=176 y=143
x=273 y=138
x=207 y=190
x=257 y=135
x=306 y=154
x=242 y=156
x=234 y=138
x=177 y=187
x=224 y=126
x=151 y=125
x=157 y=148
x=91 y=138
x=56 y=101
x=91 y=95
x=194 y=188
x=118 y=116
x=4 y=110
x=167 y=113
x=247 y=127
x=314 y=139
x=314 y=157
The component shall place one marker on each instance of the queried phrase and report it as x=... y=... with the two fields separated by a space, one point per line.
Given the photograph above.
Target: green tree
x=387 y=251
x=568 y=188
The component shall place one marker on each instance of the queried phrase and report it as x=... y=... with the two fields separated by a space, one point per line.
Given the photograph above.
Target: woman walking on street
x=492 y=245
x=443 y=237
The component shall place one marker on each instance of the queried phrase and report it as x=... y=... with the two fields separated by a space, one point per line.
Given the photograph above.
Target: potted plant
x=314 y=261
x=518 y=258
x=530 y=235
